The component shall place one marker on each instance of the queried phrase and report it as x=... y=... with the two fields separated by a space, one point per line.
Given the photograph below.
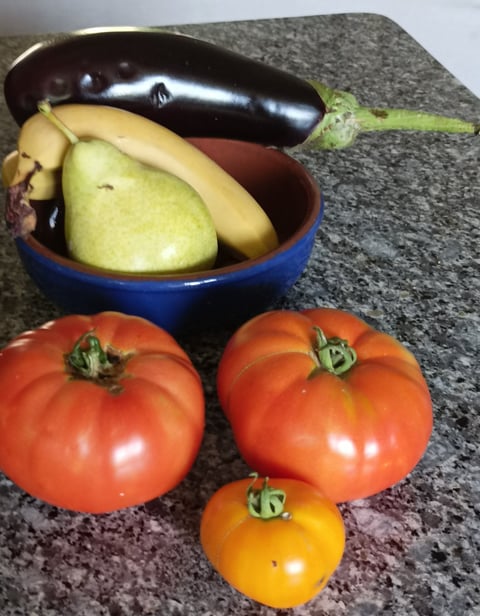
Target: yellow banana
x=48 y=183
x=9 y=165
x=240 y=222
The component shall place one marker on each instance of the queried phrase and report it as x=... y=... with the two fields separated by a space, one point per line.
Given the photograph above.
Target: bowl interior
x=282 y=186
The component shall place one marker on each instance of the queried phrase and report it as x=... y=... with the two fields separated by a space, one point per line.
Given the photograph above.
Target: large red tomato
x=98 y=412
x=320 y=396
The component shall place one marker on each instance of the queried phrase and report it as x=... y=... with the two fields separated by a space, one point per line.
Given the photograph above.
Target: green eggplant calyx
x=345 y=119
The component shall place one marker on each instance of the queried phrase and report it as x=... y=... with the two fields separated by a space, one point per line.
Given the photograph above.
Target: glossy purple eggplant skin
x=191 y=86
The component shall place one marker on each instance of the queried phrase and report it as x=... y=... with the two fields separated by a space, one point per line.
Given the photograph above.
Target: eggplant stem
x=405 y=119
x=345 y=119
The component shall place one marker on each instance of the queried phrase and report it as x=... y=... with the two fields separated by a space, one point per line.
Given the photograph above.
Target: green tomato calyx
x=266 y=502
x=89 y=361
x=334 y=354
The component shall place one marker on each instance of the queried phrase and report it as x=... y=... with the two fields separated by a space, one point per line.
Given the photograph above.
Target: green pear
x=123 y=215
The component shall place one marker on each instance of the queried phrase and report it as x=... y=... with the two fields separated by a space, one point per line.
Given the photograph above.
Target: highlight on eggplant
x=196 y=88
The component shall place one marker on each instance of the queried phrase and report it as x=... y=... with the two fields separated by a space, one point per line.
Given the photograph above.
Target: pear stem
x=45 y=108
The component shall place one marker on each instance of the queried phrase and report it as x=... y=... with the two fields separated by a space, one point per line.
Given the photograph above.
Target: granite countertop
x=399 y=246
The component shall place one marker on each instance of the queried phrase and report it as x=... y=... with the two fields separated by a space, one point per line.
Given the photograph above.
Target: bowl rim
x=311 y=220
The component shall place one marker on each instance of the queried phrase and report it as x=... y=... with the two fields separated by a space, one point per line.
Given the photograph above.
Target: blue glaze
x=220 y=298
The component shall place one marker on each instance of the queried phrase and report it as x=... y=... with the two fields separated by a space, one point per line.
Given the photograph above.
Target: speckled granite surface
x=399 y=246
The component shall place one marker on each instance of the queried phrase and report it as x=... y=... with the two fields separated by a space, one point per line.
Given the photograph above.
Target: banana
x=240 y=222
x=48 y=183
x=9 y=166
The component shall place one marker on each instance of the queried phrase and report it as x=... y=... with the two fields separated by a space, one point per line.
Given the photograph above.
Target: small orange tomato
x=277 y=544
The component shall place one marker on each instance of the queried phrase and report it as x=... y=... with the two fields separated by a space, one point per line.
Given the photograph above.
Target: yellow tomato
x=278 y=541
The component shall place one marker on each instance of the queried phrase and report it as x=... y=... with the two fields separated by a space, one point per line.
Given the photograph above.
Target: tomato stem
x=265 y=502
x=334 y=354
x=88 y=360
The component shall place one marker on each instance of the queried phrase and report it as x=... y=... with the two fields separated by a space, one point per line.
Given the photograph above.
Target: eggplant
x=198 y=89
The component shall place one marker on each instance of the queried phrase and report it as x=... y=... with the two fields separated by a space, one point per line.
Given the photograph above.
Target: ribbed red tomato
x=98 y=412
x=321 y=396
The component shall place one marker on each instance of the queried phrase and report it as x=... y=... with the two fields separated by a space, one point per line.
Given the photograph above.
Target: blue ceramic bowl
x=224 y=296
